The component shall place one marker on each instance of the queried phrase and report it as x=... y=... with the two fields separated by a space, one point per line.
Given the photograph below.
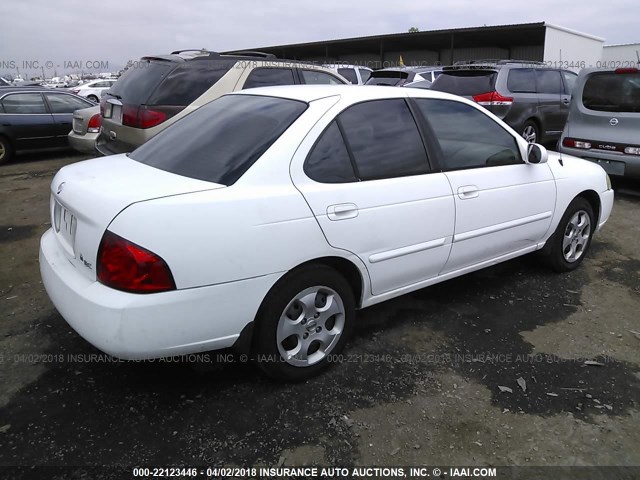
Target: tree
x=414 y=30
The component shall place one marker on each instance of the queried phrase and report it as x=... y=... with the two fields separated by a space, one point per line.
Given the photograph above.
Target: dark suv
x=530 y=98
x=159 y=90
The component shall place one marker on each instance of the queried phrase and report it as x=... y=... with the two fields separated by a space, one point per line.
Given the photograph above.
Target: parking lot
x=511 y=365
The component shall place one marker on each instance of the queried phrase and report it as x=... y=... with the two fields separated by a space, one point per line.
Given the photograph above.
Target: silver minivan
x=604 y=120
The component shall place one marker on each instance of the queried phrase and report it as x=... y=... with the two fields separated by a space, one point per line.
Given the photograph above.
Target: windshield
x=139 y=81
x=612 y=92
x=221 y=140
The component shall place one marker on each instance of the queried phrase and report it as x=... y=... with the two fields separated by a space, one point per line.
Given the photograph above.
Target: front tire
x=572 y=239
x=305 y=319
x=6 y=150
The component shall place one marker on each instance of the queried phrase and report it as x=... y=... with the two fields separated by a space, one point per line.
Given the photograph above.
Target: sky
x=68 y=33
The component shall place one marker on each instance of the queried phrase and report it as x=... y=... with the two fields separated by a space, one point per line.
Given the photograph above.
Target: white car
x=265 y=218
x=355 y=74
x=93 y=90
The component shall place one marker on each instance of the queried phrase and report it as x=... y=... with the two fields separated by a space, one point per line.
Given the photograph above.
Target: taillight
x=142 y=117
x=626 y=70
x=491 y=99
x=573 y=143
x=125 y=266
x=94 y=123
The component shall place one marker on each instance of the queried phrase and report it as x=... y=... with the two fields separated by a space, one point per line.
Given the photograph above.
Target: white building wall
x=622 y=55
x=570 y=49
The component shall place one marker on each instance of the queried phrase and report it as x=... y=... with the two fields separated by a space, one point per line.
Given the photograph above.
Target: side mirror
x=536 y=153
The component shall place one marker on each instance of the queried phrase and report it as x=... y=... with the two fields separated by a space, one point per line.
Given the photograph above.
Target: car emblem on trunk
x=613 y=122
x=60 y=187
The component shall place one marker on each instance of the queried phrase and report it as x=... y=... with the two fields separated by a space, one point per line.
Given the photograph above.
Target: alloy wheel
x=576 y=236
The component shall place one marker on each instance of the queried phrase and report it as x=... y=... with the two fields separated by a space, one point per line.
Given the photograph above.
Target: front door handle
x=468 y=191
x=342 y=211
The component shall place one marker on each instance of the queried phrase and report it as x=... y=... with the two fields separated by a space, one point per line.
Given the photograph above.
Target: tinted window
x=138 y=82
x=612 y=92
x=364 y=74
x=548 y=81
x=384 y=139
x=569 y=81
x=187 y=82
x=329 y=160
x=220 y=141
x=266 y=77
x=314 y=77
x=61 y=103
x=24 y=103
x=521 y=80
x=467 y=137
x=349 y=74
x=466 y=82
x=388 y=77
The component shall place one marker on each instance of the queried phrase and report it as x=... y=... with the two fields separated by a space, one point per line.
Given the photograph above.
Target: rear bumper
x=132 y=326
x=108 y=147
x=83 y=143
x=612 y=163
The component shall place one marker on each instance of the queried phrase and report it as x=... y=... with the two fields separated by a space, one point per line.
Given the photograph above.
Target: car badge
x=60 y=187
x=613 y=122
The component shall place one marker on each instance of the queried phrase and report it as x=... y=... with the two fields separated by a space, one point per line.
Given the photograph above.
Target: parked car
x=35 y=118
x=532 y=99
x=93 y=90
x=265 y=218
x=4 y=82
x=355 y=74
x=86 y=128
x=419 y=84
x=604 y=120
x=163 y=89
x=401 y=76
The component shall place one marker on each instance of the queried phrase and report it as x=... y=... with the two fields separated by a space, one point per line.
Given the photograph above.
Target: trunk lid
x=87 y=196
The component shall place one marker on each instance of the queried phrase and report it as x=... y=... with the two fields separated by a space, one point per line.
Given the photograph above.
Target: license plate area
x=611 y=166
x=113 y=111
x=65 y=225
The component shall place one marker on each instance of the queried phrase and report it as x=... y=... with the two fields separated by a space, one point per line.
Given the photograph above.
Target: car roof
x=344 y=65
x=409 y=69
x=351 y=93
x=26 y=88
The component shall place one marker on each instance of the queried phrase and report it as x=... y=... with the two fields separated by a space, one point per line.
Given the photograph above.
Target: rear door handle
x=342 y=211
x=468 y=191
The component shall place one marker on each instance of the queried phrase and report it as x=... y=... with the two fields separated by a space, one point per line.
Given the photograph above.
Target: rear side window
x=466 y=82
x=548 y=81
x=221 y=140
x=187 y=82
x=349 y=74
x=329 y=160
x=24 y=103
x=267 y=77
x=61 y=103
x=136 y=84
x=521 y=80
x=611 y=92
x=364 y=74
x=384 y=139
x=314 y=77
x=468 y=138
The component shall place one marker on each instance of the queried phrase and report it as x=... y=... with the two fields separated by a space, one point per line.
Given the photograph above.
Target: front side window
x=548 y=81
x=61 y=103
x=24 y=103
x=329 y=160
x=314 y=77
x=267 y=77
x=468 y=138
x=384 y=139
x=221 y=140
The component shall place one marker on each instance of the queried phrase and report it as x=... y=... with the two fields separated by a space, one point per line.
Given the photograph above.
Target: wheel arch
x=594 y=200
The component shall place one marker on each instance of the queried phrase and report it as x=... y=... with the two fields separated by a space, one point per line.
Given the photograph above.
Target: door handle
x=468 y=191
x=342 y=211
x=566 y=101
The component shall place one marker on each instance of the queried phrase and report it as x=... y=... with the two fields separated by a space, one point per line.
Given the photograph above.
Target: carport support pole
x=451 y=50
x=381 y=53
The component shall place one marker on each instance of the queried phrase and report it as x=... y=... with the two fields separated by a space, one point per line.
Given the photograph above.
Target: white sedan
x=267 y=217
x=93 y=90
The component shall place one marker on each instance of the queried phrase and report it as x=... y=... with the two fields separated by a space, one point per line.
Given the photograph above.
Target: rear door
x=551 y=95
x=27 y=121
x=368 y=182
x=502 y=204
x=62 y=105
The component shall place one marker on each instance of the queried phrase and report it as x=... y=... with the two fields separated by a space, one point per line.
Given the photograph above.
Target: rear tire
x=304 y=321
x=6 y=150
x=570 y=243
x=531 y=132
x=93 y=98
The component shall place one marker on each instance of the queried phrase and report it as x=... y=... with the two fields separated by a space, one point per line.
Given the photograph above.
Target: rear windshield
x=612 y=92
x=466 y=83
x=139 y=81
x=221 y=140
x=389 y=78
